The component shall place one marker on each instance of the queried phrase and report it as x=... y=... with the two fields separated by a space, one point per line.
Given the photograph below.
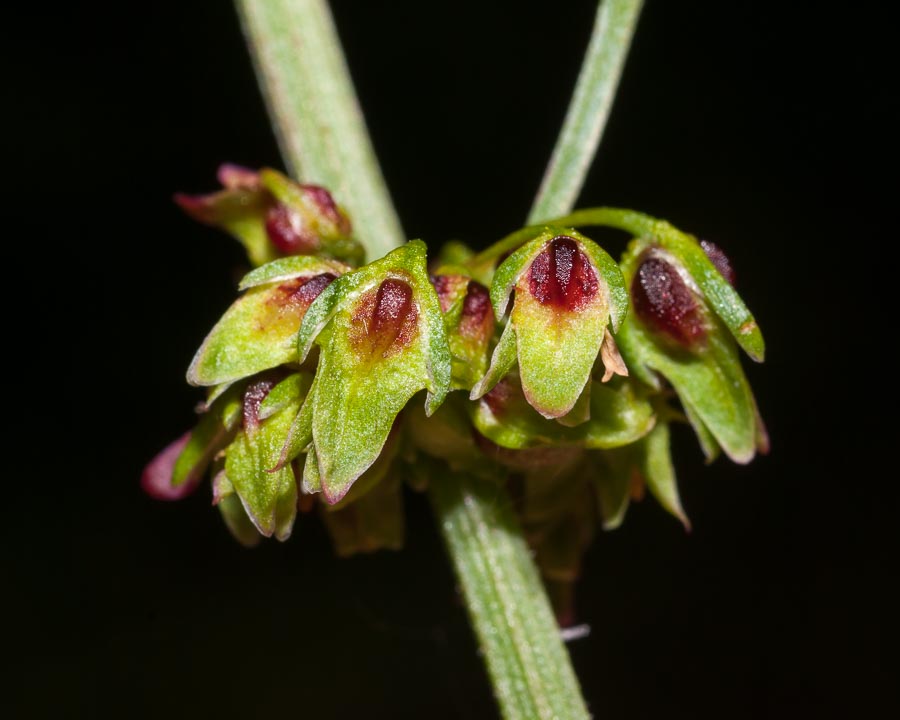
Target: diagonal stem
x=589 y=109
x=315 y=113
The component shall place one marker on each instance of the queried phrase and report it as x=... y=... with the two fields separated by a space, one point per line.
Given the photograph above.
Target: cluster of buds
x=539 y=362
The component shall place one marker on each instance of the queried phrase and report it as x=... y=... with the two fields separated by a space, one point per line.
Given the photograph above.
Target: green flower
x=568 y=292
x=469 y=320
x=686 y=325
x=259 y=331
x=381 y=339
x=273 y=216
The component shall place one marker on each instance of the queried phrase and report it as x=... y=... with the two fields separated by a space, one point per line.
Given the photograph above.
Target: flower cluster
x=330 y=383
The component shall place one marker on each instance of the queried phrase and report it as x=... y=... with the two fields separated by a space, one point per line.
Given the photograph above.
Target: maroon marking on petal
x=445 y=286
x=562 y=276
x=286 y=305
x=294 y=296
x=156 y=480
x=395 y=314
x=327 y=207
x=286 y=230
x=305 y=290
x=384 y=321
x=720 y=260
x=477 y=319
x=254 y=395
x=663 y=301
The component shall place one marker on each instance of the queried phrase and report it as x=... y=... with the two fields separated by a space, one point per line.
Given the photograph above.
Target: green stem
x=527 y=662
x=586 y=118
x=317 y=119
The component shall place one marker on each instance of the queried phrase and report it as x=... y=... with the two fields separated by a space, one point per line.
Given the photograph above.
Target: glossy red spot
x=562 y=276
x=385 y=319
x=719 y=259
x=286 y=229
x=393 y=308
x=664 y=302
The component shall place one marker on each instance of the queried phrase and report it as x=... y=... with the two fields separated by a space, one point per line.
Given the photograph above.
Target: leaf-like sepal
x=693 y=350
x=567 y=292
x=259 y=331
x=382 y=339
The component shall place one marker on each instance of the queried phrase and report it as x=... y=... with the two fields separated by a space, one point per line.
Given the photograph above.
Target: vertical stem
x=586 y=118
x=315 y=114
x=526 y=660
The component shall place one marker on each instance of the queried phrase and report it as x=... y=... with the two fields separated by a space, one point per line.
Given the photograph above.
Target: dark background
x=761 y=128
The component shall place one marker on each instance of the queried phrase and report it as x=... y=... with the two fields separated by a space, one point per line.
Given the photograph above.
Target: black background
x=758 y=127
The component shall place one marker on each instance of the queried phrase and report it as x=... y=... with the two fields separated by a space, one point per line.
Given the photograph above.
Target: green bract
x=382 y=339
x=625 y=472
x=214 y=431
x=567 y=292
x=259 y=331
x=254 y=468
x=706 y=374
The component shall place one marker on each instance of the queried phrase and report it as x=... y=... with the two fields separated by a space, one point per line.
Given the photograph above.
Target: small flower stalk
x=540 y=363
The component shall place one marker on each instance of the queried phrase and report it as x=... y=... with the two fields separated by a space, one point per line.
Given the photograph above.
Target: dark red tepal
x=561 y=275
x=284 y=227
x=664 y=302
x=385 y=321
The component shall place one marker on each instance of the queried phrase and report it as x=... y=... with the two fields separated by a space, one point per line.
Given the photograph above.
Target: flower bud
x=273 y=216
x=685 y=325
x=469 y=320
x=382 y=339
x=267 y=489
